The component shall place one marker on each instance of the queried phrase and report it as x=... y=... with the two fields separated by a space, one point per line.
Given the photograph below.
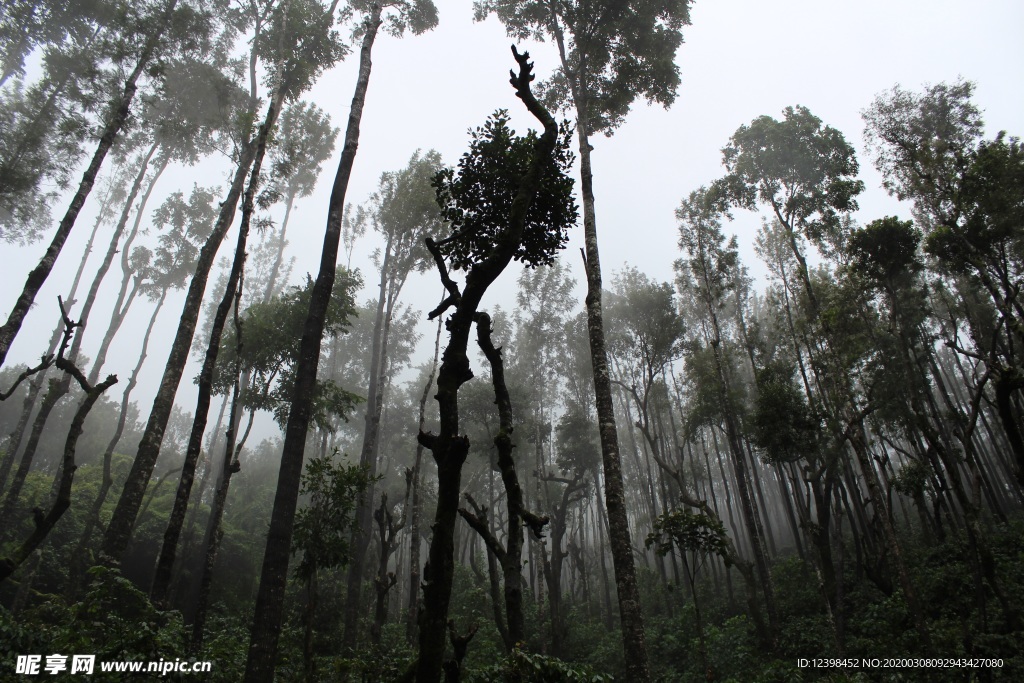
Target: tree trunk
x=45 y=523
x=414 y=526
x=115 y=122
x=268 y=617
x=213 y=535
x=119 y=531
x=449 y=448
x=35 y=386
x=124 y=300
x=633 y=638
x=367 y=458
x=168 y=551
x=79 y=556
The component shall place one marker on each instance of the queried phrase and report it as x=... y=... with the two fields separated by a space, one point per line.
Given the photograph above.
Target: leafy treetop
x=803 y=170
x=477 y=199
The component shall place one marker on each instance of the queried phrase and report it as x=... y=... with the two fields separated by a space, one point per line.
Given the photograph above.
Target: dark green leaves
x=688 y=532
x=477 y=198
x=272 y=334
x=885 y=249
x=992 y=200
x=784 y=427
x=322 y=528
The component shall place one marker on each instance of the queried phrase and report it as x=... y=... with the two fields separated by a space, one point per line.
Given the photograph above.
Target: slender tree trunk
x=213 y=535
x=79 y=556
x=633 y=638
x=119 y=531
x=124 y=300
x=115 y=122
x=35 y=386
x=268 y=617
x=165 y=562
x=367 y=458
x=275 y=270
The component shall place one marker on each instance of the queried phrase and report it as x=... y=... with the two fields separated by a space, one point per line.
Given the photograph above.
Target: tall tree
x=300 y=48
x=419 y=17
x=164 y=30
x=509 y=199
x=709 y=273
x=967 y=199
x=402 y=211
x=610 y=55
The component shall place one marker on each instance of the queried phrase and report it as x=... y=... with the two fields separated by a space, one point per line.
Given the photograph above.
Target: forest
x=460 y=447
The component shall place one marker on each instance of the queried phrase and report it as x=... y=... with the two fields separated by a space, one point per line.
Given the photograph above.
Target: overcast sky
x=741 y=59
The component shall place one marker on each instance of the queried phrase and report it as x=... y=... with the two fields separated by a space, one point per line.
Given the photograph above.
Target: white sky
x=741 y=59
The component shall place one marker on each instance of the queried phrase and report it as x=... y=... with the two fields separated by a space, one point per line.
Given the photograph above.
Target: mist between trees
x=627 y=479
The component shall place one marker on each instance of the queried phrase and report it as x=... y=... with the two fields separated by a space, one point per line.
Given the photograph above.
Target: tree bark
x=118 y=534
x=168 y=551
x=268 y=617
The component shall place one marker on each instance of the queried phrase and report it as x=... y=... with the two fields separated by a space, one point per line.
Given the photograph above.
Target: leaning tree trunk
x=168 y=551
x=58 y=389
x=115 y=122
x=119 y=531
x=269 y=610
x=36 y=385
x=229 y=466
x=125 y=298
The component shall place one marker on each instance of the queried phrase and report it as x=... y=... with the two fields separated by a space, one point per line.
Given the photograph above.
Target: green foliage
x=706 y=397
x=384 y=661
x=524 y=667
x=803 y=170
x=323 y=527
x=784 y=426
x=115 y=621
x=922 y=142
x=303 y=139
x=912 y=478
x=308 y=45
x=992 y=200
x=616 y=52
x=183 y=227
x=578 y=447
x=884 y=250
x=645 y=327
x=476 y=200
x=688 y=532
x=272 y=335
